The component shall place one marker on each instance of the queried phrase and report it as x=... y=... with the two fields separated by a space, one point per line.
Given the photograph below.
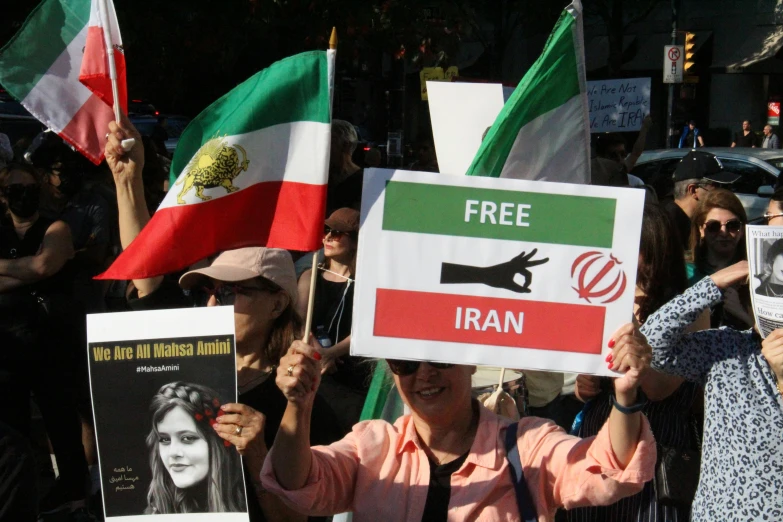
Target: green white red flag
x=57 y=67
x=542 y=132
x=250 y=170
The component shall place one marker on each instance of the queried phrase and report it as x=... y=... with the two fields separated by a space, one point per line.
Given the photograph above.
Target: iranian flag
x=57 y=67
x=251 y=170
x=542 y=132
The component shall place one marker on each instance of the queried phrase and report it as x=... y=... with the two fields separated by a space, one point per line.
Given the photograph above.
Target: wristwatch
x=641 y=402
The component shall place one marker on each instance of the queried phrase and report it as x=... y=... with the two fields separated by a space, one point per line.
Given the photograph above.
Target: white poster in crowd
x=158 y=380
x=765 y=257
x=461 y=113
x=618 y=105
x=499 y=272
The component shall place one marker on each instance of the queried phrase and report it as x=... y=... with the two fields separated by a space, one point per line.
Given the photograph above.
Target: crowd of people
x=691 y=430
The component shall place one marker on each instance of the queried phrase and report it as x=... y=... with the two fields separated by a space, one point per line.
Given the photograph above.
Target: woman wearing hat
x=346 y=378
x=260 y=283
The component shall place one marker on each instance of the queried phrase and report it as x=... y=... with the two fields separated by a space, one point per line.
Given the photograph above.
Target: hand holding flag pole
x=104 y=10
x=314 y=268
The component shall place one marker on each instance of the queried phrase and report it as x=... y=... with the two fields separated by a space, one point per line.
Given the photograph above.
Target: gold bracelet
x=777 y=383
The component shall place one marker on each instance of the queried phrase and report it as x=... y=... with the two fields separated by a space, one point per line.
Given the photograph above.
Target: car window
x=144 y=127
x=176 y=126
x=775 y=162
x=658 y=174
x=751 y=176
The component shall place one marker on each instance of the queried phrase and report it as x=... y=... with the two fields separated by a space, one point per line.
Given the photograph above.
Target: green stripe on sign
x=499 y=214
x=41 y=40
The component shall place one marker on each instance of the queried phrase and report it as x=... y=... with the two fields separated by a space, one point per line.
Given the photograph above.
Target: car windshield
x=776 y=162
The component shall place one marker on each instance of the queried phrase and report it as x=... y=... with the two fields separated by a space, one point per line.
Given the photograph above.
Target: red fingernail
x=317 y=356
x=609 y=358
x=611 y=343
x=610 y=366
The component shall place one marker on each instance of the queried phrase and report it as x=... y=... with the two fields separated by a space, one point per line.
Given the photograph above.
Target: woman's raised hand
x=125 y=166
x=731 y=275
x=299 y=372
x=630 y=354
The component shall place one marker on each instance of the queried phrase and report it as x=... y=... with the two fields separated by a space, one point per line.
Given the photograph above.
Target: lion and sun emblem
x=216 y=164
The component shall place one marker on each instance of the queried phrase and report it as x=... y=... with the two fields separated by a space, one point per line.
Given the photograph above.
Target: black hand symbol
x=497 y=276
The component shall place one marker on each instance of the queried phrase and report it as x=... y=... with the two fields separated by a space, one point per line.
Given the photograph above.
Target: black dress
x=346 y=389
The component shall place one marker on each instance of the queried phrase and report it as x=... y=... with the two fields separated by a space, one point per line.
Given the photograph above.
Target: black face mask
x=23 y=199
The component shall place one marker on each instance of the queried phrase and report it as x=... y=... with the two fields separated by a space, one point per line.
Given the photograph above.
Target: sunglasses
x=768 y=217
x=403 y=368
x=226 y=295
x=732 y=226
x=337 y=235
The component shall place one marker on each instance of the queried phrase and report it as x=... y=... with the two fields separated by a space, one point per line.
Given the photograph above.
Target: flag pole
x=314 y=268
x=109 y=44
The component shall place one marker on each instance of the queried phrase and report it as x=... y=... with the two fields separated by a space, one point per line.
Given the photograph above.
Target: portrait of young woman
x=193 y=469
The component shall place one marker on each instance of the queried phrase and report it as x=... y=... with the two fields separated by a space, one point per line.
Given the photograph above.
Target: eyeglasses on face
x=403 y=368
x=732 y=226
x=706 y=186
x=226 y=294
x=337 y=235
x=769 y=217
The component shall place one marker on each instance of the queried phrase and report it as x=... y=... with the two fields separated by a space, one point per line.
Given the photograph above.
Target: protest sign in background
x=618 y=105
x=131 y=356
x=765 y=260
x=493 y=271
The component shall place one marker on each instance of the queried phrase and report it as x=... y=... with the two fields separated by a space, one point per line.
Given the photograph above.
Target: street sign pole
x=670 y=104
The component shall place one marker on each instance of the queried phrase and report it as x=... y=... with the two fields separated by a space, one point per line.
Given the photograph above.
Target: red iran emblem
x=594 y=281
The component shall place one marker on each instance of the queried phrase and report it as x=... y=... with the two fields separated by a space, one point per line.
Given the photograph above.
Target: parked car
x=141 y=108
x=176 y=124
x=15 y=121
x=759 y=170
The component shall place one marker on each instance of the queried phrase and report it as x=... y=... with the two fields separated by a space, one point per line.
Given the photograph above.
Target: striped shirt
x=671 y=426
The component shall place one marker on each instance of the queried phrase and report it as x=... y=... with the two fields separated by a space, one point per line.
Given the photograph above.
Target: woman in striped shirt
x=660 y=276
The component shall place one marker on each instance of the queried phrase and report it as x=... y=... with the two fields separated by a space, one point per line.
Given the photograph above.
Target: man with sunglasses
x=696 y=174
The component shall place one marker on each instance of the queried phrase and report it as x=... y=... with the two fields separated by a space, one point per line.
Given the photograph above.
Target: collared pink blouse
x=381 y=473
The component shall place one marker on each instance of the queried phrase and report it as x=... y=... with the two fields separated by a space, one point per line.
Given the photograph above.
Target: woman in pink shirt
x=447 y=460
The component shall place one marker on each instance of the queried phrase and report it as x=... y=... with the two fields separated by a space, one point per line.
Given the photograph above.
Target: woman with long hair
x=717 y=241
x=193 y=470
x=717 y=234
x=346 y=379
x=659 y=277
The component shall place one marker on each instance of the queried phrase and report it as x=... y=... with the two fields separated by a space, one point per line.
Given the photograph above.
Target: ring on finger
x=238 y=431
x=290 y=371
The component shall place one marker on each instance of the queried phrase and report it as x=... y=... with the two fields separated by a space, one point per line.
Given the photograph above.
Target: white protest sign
x=502 y=272
x=765 y=260
x=460 y=114
x=142 y=364
x=673 y=59
x=618 y=105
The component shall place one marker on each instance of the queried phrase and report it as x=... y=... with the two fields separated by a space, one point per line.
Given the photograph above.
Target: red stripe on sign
x=273 y=214
x=488 y=320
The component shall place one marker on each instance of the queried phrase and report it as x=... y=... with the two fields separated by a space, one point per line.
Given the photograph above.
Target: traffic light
x=690 y=51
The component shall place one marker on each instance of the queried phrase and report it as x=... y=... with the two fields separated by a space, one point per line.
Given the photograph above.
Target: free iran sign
x=502 y=272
